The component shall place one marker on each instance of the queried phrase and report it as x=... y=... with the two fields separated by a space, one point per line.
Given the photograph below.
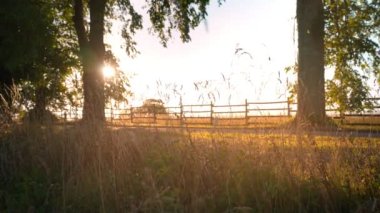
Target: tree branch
x=78 y=19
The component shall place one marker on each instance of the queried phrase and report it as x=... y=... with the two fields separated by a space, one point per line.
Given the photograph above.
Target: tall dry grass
x=76 y=169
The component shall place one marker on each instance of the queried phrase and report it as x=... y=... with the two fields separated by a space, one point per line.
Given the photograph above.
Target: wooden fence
x=246 y=114
x=203 y=114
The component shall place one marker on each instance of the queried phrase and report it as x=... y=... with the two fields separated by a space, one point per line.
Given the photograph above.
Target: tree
x=349 y=45
x=165 y=16
x=36 y=51
x=352 y=45
x=311 y=90
x=152 y=106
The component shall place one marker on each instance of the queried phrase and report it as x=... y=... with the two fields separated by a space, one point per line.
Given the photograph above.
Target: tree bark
x=311 y=79
x=92 y=52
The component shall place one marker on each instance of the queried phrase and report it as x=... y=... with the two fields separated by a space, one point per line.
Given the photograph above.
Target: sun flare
x=108 y=71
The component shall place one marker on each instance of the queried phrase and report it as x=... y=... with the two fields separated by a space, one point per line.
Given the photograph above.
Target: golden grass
x=366 y=123
x=77 y=169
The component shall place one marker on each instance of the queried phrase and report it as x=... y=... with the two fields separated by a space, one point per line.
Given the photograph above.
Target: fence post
x=70 y=110
x=289 y=110
x=111 y=114
x=246 y=113
x=131 y=114
x=181 y=113
x=211 y=113
x=342 y=117
x=71 y=114
x=76 y=114
x=154 y=114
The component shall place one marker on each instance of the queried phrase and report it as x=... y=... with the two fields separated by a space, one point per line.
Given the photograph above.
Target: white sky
x=264 y=28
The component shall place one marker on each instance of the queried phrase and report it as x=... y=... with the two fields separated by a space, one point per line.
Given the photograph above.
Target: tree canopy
x=352 y=51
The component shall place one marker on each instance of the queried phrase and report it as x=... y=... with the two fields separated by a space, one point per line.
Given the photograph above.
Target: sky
x=207 y=69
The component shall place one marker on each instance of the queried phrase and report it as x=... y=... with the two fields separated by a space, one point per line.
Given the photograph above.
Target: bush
x=35 y=116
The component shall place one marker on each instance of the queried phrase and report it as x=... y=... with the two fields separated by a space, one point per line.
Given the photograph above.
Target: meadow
x=75 y=169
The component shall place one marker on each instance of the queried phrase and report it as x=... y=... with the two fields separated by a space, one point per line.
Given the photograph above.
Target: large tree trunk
x=311 y=89
x=92 y=56
x=93 y=80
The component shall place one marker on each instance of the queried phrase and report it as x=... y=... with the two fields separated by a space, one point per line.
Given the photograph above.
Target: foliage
x=18 y=19
x=117 y=88
x=292 y=86
x=352 y=51
x=152 y=106
x=37 y=51
x=348 y=91
x=181 y=15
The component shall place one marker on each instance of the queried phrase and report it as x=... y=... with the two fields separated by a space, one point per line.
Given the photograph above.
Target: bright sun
x=108 y=71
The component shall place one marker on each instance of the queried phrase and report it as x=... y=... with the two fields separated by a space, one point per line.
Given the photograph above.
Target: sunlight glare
x=108 y=71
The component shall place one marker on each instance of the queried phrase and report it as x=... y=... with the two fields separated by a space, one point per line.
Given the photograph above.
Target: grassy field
x=76 y=169
x=367 y=123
